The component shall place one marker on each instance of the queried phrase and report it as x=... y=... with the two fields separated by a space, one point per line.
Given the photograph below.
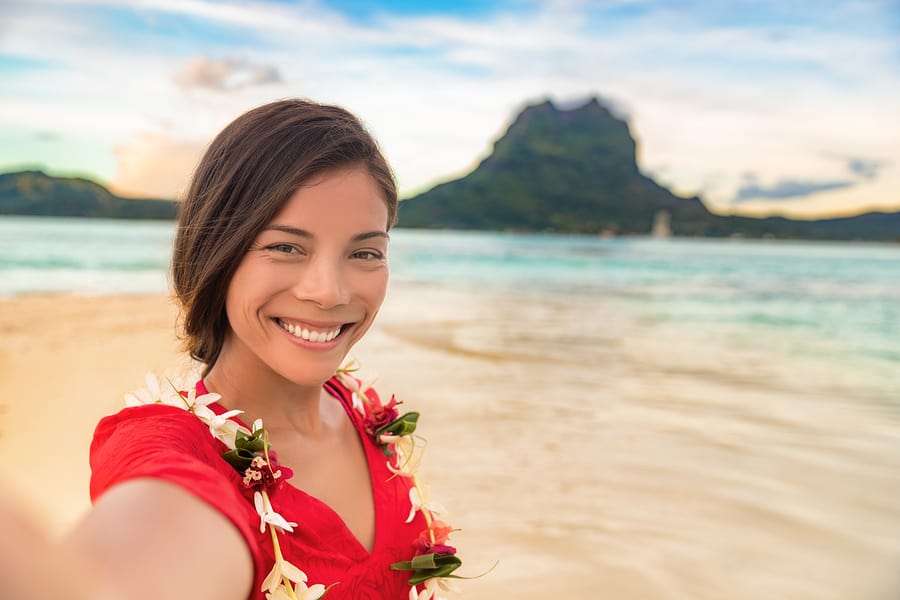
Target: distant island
x=38 y=194
x=567 y=171
x=575 y=171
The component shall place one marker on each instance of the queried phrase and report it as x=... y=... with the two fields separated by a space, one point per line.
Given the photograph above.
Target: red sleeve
x=171 y=444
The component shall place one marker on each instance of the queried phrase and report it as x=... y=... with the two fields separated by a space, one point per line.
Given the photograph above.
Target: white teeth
x=310 y=336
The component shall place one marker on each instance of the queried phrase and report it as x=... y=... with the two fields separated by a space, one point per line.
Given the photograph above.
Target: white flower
x=222 y=424
x=282 y=569
x=269 y=516
x=148 y=395
x=301 y=592
x=199 y=405
x=168 y=393
x=356 y=387
x=156 y=392
x=280 y=593
x=276 y=589
x=432 y=591
x=227 y=432
x=421 y=501
x=409 y=456
x=165 y=390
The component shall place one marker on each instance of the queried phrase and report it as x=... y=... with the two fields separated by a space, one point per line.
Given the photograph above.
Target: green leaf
x=403 y=425
x=254 y=442
x=239 y=458
x=434 y=561
x=426 y=566
x=420 y=576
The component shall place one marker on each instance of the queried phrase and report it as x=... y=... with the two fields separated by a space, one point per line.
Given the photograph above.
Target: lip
x=320 y=326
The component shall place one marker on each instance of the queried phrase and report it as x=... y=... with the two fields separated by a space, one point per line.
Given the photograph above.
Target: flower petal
x=276 y=520
x=279 y=594
x=314 y=592
x=207 y=398
x=412 y=513
x=260 y=510
x=293 y=573
x=388 y=438
x=273 y=579
x=358 y=405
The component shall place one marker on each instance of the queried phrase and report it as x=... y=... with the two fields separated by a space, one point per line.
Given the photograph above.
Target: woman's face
x=312 y=281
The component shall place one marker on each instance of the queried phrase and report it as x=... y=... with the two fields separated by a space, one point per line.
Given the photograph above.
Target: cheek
x=243 y=291
x=370 y=290
x=377 y=288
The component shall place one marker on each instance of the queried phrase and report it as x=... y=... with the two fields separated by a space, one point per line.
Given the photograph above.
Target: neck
x=251 y=386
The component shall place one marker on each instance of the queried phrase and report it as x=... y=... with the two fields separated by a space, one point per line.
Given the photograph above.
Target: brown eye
x=368 y=255
x=283 y=248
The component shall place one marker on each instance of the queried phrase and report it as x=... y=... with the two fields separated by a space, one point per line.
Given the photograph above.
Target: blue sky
x=758 y=107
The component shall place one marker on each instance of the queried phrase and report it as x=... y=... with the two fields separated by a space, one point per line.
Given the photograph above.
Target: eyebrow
x=359 y=237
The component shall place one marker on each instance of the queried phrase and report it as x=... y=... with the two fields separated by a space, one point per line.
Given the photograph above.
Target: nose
x=324 y=283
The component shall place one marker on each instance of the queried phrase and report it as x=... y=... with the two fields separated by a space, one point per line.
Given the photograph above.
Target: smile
x=309 y=334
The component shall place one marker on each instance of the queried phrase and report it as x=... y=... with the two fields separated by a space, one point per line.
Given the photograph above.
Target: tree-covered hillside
x=35 y=193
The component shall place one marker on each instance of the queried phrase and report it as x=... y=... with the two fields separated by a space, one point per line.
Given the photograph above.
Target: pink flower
x=441 y=531
x=426 y=547
x=265 y=475
x=379 y=415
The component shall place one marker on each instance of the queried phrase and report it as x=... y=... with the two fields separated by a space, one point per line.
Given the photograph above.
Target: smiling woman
x=280 y=266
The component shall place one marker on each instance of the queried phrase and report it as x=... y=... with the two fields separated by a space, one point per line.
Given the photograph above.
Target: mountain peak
x=568 y=169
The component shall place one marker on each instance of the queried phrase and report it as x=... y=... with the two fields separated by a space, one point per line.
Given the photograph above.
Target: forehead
x=346 y=199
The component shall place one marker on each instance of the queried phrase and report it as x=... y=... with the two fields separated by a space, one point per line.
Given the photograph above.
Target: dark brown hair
x=246 y=175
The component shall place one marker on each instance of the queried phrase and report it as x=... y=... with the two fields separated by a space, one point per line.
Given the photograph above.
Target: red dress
x=172 y=444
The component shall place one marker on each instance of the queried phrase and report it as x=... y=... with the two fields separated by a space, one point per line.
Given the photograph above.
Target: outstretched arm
x=144 y=539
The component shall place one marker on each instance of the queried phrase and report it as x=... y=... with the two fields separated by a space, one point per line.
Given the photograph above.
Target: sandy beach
x=591 y=460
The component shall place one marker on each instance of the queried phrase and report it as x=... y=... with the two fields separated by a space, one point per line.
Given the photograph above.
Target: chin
x=308 y=375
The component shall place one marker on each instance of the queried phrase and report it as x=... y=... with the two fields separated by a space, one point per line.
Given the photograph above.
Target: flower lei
x=433 y=562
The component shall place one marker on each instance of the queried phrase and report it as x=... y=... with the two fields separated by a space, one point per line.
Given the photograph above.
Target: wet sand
x=592 y=454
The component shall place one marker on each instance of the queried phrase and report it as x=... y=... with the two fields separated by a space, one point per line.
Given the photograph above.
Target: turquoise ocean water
x=837 y=300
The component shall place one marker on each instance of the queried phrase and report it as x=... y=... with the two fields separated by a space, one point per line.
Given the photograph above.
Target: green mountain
x=576 y=171
x=35 y=193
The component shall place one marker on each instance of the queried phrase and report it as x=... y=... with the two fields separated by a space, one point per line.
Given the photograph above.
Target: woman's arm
x=144 y=539
x=31 y=568
x=147 y=538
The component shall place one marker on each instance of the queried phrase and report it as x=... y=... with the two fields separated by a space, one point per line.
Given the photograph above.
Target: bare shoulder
x=153 y=539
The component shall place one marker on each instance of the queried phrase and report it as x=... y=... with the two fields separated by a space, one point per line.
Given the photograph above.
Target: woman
x=280 y=266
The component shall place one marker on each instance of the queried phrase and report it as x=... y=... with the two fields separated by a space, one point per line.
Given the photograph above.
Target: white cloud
x=707 y=103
